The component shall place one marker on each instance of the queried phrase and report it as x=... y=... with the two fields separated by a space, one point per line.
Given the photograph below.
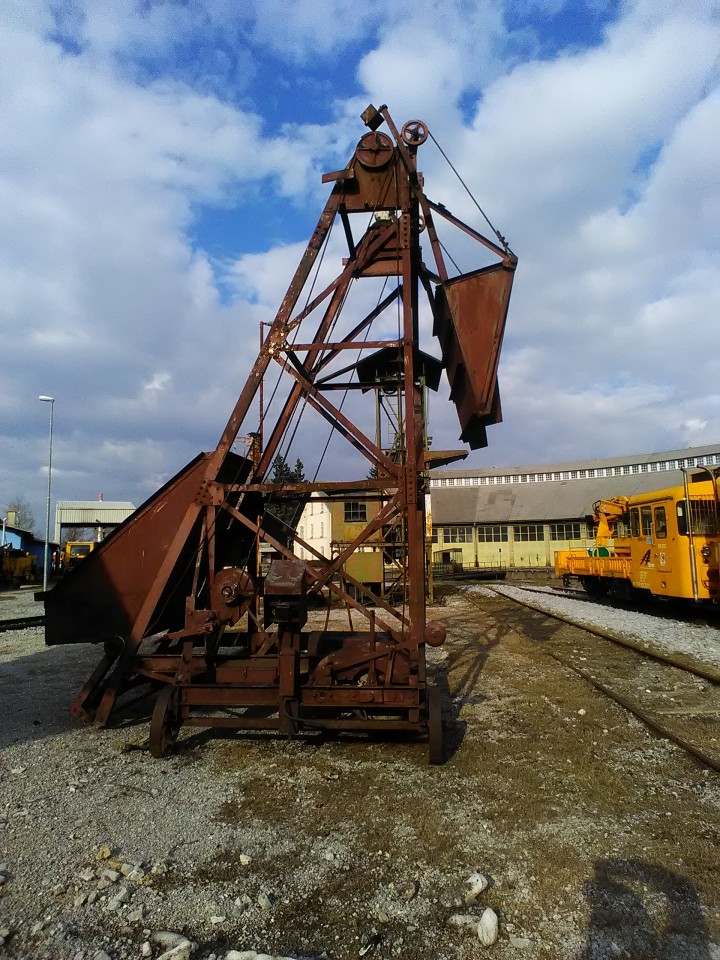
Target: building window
x=322 y=529
x=492 y=533
x=434 y=534
x=591 y=472
x=483 y=481
x=565 y=475
x=528 y=531
x=567 y=531
x=573 y=474
x=458 y=534
x=301 y=531
x=355 y=512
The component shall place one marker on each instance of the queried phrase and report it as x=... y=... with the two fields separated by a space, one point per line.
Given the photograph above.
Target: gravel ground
x=699 y=642
x=598 y=840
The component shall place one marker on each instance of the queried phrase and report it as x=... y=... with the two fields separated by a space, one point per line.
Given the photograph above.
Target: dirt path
x=600 y=839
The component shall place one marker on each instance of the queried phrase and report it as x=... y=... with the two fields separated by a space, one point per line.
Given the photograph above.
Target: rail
x=21 y=623
x=649 y=717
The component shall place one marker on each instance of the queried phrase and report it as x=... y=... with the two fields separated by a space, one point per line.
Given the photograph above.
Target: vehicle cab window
x=660 y=523
x=646 y=520
x=635 y=522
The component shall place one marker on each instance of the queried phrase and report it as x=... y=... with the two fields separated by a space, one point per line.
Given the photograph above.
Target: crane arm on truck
x=606 y=514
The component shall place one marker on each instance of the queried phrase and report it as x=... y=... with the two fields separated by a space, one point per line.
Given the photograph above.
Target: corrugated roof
x=665 y=455
x=89 y=504
x=549 y=501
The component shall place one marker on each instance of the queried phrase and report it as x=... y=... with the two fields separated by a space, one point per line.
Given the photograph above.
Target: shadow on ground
x=643 y=912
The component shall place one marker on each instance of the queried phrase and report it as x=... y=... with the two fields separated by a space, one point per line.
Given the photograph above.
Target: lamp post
x=51 y=401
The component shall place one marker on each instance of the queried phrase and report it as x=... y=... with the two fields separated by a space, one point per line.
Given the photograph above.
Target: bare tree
x=24 y=516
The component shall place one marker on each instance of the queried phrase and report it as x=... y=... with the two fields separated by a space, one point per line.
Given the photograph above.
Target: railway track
x=21 y=623
x=677 y=659
x=678 y=700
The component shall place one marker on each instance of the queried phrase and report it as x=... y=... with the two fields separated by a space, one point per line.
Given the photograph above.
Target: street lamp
x=51 y=401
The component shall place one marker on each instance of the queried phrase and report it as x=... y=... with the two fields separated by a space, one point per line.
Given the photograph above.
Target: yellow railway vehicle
x=75 y=551
x=665 y=543
x=16 y=567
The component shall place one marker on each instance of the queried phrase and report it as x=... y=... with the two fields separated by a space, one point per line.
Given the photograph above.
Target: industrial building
x=519 y=516
x=103 y=515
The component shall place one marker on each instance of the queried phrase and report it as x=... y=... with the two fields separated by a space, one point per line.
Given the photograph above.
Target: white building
x=315 y=528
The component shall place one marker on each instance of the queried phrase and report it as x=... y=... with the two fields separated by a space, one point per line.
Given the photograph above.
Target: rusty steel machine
x=177 y=594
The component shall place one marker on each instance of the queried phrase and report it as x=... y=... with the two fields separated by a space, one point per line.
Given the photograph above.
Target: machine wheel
x=595 y=587
x=435 y=726
x=414 y=133
x=165 y=722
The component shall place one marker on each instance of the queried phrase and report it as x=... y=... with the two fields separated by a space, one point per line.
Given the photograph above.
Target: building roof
x=527 y=502
x=583 y=464
x=543 y=500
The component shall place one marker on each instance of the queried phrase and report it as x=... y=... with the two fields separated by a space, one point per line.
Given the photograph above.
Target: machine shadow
x=643 y=912
x=458 y=676
x=59 y=673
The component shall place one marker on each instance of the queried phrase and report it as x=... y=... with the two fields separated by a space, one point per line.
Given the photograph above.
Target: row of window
x=311 y=530
x=522 y=532
x=642 y=523
x=588 y=473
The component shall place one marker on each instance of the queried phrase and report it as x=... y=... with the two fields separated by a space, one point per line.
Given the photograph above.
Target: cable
x=449 y=256
x=497 y=233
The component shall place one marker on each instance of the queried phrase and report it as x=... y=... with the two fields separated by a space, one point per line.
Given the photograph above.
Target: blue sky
x=160 y=174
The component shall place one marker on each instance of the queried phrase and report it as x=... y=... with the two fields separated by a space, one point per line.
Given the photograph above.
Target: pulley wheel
x=414 y=133
x=165 y=722
x=435 y=726
x=374 y=150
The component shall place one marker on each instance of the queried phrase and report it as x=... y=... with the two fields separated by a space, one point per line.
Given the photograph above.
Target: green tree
x=287 y=509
